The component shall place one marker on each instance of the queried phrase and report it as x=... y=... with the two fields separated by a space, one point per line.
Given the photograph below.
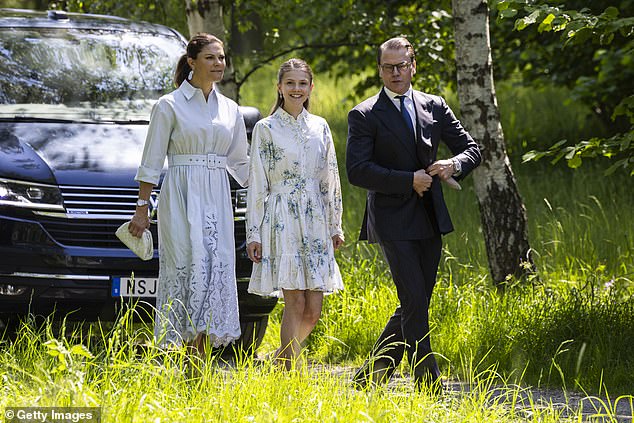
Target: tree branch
x=285 y=52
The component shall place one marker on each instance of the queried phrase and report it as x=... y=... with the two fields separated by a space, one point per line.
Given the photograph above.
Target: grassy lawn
x=572 y=327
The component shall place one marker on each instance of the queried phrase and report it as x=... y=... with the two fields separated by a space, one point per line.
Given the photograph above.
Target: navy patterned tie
x=404 y=113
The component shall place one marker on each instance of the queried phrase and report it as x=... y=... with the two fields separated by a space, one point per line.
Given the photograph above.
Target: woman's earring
x=190 y=75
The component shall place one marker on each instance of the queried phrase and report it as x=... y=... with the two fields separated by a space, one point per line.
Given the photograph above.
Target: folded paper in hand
x=452 y=183
x=142 y=247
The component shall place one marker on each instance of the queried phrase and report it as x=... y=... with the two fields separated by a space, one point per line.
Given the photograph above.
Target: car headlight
x=30 y=195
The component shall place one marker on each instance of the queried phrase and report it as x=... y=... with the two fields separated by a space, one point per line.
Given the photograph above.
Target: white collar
x=189 y=90
x=392 y=94
x=287 y=117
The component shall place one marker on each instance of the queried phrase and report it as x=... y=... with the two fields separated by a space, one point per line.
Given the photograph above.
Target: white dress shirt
x=409 y=105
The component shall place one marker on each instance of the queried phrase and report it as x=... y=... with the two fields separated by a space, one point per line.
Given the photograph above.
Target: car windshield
x=83 y=74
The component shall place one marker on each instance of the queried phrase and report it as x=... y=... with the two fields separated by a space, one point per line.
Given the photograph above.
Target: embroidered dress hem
x=215 y=340
x=277 y=291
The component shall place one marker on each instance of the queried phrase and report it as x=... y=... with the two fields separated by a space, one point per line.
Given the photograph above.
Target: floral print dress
x=294 y=204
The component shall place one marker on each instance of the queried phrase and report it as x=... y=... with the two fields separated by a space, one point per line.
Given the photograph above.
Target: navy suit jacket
x=382 y=156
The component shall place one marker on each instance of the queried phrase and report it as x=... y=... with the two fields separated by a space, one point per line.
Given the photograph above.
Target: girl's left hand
x=254 y=250
x=337 y=241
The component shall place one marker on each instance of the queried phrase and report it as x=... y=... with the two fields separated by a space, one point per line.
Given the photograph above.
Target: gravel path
x=527 y=399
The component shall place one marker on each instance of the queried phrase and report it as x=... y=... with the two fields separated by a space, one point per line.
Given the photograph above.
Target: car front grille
x=97 y=233
x=99 y=201
x=93 y=214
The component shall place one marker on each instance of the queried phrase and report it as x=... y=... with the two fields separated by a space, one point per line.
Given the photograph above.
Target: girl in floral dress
x=294 y=209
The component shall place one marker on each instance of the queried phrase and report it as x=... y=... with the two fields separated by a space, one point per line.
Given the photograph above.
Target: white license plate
x=134 y=287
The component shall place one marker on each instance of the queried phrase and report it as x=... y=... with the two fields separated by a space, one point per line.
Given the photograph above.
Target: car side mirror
x=251 y=115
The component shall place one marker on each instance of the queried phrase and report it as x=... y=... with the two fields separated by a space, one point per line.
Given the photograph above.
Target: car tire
x=245 y=347
x=9 y=327
x=252 y=334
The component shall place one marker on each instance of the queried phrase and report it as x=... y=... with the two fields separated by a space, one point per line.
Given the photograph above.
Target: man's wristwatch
x=141 y=203
x=457 y=166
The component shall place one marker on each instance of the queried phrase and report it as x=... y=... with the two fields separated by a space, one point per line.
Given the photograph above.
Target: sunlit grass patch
x=161 y=385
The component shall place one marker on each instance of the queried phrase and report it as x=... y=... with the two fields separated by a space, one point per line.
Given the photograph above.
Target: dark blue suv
x=75 y=97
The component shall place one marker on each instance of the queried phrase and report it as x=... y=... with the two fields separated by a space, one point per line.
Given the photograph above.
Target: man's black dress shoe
x=429 y=383
x=375 y=372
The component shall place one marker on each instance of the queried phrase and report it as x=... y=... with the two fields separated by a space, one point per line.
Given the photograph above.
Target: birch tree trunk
x=502 y=211
x=207 y=16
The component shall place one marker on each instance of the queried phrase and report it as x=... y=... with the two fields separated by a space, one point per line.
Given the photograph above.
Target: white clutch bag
x=142 y=247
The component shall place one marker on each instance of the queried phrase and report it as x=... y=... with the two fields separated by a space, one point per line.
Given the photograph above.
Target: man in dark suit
x=393 y=140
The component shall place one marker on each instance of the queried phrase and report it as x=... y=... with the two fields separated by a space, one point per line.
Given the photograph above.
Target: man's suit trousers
x=414 y=265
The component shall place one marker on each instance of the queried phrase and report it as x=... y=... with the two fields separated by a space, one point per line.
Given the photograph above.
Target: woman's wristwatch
x=141 y=203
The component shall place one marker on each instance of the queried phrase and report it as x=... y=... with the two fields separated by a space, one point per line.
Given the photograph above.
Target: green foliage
x=595 y=50
x=560 y=326
x=535 y=117
x=621 y=146
x=279 y=29
x=65 y=358
x=601 y=76
x=521 y=332
x=348 y=46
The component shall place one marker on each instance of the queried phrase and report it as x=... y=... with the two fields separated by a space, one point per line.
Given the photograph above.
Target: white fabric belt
x=295 y=186
x=212 y=161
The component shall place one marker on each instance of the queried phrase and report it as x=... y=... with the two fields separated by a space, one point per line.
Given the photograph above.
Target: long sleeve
x=162 y=122
x=258 y=190
x=458 y=140
x=237 y=158
x=330 y=186
x=361 y=158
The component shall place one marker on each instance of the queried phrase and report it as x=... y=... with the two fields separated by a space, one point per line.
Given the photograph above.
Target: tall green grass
x=139 y=384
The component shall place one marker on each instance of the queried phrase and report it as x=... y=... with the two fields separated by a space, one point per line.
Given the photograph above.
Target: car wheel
x=252 y=335
x=9 y=328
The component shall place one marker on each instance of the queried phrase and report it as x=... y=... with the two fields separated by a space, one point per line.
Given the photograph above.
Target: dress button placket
x=301 y=133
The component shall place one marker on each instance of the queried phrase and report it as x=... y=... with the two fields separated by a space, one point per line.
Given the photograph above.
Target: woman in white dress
x=203 y=135
x=294 y=209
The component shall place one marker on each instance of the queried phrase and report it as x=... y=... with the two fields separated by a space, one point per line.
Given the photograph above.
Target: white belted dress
x=202 y=140
x=294 y=205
